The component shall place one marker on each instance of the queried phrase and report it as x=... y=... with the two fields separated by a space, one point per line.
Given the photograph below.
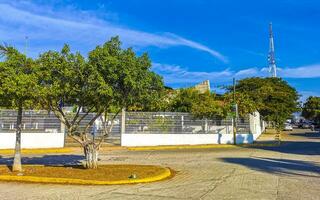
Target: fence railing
x=135 y=122
x=180 y=123
x=32 y=121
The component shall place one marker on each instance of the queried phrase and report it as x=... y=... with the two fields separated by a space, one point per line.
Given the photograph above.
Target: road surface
x=290 y=171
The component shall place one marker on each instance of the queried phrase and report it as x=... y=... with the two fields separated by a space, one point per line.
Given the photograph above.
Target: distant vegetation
x=311 y=109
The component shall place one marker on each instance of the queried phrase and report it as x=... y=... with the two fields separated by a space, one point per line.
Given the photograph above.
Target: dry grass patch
x=111 y=173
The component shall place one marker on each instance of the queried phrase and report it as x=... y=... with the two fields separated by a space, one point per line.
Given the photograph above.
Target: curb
x=38 y=151
x=35 y=179
x=218 y=146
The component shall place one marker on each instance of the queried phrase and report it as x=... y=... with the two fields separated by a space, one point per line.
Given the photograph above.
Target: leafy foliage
x=18 y=80
x=245 y=104
x=183 y=100
x=110 y=79
x=274 y=98
x=311 y=109
x=206 y=106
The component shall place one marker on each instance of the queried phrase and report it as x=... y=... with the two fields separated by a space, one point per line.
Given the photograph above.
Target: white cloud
x=247 y=72
x=308 y=71
x=16 y=22
x=175 y=74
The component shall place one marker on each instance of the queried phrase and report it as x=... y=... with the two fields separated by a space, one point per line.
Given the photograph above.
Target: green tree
x=183 y=99
x=18 y=90
x=311 y=109
x=274 y=98
x=110 y=80
x=245 y=104
x=200 y=105
x=206 y=106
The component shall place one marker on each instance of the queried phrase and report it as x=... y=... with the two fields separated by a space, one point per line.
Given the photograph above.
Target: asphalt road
x=290 y=171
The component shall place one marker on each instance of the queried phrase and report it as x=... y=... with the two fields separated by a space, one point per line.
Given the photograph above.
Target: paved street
x=291 y=171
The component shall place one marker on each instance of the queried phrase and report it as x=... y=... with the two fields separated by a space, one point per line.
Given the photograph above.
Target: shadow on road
x=278 y=166
x=310 y=135
x=294 y=147
x=47 y=160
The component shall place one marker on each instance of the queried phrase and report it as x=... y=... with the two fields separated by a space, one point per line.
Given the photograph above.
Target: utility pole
x=26 y=45
x=235 y=110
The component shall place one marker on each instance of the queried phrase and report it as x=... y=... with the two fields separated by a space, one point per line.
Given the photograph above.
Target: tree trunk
x=17 y=153
x=278 y=136
x=91 y=155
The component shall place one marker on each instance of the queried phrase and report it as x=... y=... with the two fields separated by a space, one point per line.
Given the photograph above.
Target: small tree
x=311 y=109
x=110 y=80
x=18 y=90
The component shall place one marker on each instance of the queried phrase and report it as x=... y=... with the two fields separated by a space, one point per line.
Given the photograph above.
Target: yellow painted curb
x=36 y=179
x=38 y=151
x=218 y=146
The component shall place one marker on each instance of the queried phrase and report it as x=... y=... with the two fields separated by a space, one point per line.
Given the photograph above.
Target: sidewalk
x=267 y=139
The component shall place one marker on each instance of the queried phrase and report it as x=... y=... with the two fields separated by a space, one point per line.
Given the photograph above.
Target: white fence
x=40 y=129
x=194 y=132
x=32 y=140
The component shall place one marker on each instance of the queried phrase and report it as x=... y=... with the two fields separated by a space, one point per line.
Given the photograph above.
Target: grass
x=270 y=131
x=104 y=175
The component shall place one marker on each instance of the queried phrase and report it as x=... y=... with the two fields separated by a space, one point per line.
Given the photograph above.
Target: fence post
x=182 y=122
x=206 y=125
x=123 y=121
x=63 y=130
x=234 y=129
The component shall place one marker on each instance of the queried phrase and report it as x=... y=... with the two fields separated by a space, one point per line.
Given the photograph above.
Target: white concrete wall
x=222 y=137
x=32 y=140
x=183 y=139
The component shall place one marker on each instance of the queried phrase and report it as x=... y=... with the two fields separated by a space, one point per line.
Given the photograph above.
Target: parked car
x=304 y=125
x=288 y=127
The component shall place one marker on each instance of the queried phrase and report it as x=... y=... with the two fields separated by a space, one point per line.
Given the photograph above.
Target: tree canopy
x=207 y=106
x=110 y=79
x=311 y=109
x=274 y=98
x=18 y=80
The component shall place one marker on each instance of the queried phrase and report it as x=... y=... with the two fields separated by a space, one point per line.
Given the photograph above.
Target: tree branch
x=83 y=116
x=105 y=130
x=91 y=122
x=77 y=115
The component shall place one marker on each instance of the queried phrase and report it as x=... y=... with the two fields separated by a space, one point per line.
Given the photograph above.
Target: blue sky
x=188 y=41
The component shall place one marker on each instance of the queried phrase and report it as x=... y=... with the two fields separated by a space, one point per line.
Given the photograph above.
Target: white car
x=288 y=127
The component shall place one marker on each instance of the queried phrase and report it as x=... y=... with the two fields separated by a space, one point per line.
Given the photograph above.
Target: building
x=203 y=86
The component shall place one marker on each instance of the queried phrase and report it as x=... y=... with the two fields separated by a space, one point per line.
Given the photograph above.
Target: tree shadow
x=310 y=135
x=46 y=160
x=278 y=166
x=293 y=147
